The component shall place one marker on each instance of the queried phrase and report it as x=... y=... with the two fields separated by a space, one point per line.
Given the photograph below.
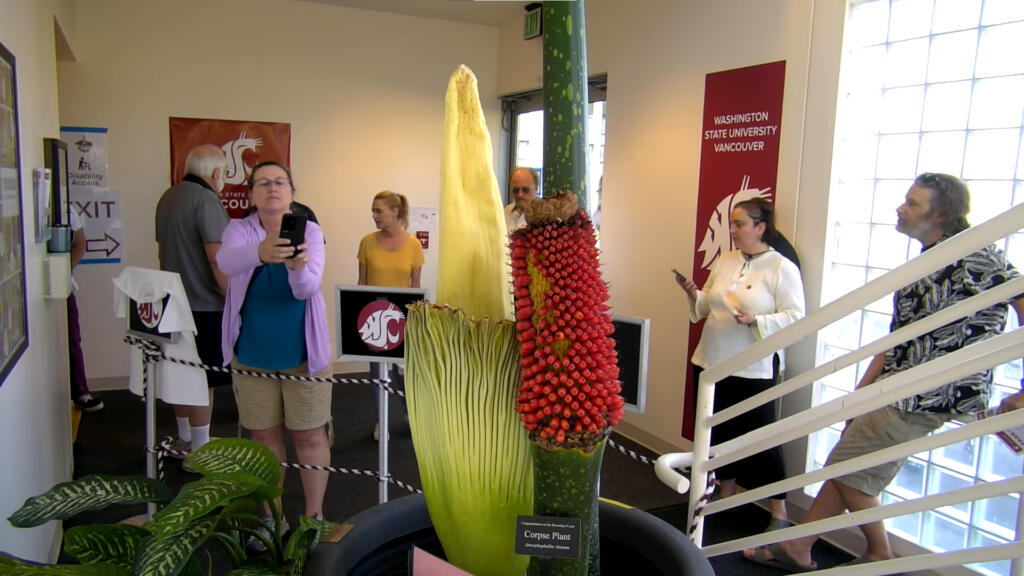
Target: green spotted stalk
x=569 y=396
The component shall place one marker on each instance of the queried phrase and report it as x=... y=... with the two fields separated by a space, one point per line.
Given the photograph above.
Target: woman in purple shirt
x=275 y=320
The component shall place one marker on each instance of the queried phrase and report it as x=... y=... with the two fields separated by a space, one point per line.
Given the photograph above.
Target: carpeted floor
x=111 y=441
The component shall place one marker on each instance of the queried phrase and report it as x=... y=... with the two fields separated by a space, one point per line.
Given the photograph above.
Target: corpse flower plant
x=462 y=358
x=569 y=397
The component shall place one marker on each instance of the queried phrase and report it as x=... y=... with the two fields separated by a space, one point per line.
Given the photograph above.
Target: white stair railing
x=942 y=370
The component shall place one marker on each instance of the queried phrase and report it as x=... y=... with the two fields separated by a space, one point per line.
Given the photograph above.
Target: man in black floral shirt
x=935 y=209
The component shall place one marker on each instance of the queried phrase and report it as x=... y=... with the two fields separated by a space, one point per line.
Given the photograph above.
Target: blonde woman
x=390 y=256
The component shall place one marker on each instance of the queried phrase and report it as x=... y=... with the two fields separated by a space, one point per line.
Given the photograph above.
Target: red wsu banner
x=245 y=144
x=739 y=160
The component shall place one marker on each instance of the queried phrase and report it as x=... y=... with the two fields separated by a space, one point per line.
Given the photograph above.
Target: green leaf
x=302 y=541
x=92 y=492
x=198 y=498
x=168 y=556
x=248 y=507
x=12 y=566
x=261 y=566
x=237 y=455
x=314 y=528
x=194 y=568
x=461 y=379
x=113 y=543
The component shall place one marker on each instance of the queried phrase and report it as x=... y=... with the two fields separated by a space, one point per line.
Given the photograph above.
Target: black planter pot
x=632 y=542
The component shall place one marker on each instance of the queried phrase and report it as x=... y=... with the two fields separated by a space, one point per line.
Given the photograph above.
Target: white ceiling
x=488 y=12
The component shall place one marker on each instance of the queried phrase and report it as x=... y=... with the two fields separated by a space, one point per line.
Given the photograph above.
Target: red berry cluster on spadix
x=570 y=387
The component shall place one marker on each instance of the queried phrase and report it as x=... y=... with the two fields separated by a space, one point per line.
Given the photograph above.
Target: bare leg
x=273 y=438
x=197 y=415
x=312 y=448
x=878 y=539
x=778 y=508
x=827 y=503
x=727 y=488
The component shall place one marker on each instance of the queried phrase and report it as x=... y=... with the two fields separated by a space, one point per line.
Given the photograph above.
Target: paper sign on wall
x=91 y=198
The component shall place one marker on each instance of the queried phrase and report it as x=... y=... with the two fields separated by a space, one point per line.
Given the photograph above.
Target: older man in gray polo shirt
x=189 y=222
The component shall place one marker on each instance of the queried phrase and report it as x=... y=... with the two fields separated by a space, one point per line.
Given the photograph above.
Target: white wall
x=363 y=91
x=656 y=54
x=35 y=415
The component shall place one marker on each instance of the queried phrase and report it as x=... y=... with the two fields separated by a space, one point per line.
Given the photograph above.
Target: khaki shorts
x=265 y=403
x=875 y=431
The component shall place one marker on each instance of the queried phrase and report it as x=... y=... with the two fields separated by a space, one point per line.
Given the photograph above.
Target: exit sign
x=531 y=24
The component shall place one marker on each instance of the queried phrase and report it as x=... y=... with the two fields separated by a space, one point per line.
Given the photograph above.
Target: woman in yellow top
x=390 y=256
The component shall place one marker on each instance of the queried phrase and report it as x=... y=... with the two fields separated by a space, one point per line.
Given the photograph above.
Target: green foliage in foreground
x=239 y=476
x=473 y=455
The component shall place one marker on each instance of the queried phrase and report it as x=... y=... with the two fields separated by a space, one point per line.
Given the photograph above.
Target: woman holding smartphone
x=390 y=256
x=751 y=293
x=275 y=320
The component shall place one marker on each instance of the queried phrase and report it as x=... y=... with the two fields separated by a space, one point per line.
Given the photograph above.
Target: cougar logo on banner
x=381 y=325
x=236 y=170
x=716 y=239
x=150 y=313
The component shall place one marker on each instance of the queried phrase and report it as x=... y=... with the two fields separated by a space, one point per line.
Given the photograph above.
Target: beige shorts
x=265 y=402
x=875 y=431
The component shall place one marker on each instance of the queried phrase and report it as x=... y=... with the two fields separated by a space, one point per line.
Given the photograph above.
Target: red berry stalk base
x=569 y=398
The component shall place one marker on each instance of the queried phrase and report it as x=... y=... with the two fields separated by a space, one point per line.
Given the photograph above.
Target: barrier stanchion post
x=382 y=446
x=151 y=470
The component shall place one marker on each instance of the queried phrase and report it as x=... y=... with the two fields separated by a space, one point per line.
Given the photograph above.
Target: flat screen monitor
x=370 y=322
x=632 y=341
x=144 y=319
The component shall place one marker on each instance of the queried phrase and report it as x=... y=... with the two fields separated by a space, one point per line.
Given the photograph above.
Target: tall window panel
x=927 y=86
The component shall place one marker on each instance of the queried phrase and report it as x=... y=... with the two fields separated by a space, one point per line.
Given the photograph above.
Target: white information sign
x=98 y=205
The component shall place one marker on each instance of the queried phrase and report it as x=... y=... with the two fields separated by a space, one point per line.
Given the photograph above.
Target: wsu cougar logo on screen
x=381 y=325
x=150 y=313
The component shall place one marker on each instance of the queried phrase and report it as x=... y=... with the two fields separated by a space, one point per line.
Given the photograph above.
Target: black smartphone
x=293 y=228
x=678 y=274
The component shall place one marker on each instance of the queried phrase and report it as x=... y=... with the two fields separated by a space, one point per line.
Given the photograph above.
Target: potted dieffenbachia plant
x=239 y=478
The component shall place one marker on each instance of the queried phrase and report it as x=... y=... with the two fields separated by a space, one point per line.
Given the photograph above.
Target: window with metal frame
x=926 y=86
x=522 y=120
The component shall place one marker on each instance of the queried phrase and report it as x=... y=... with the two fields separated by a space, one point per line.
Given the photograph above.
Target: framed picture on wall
x=14 y=312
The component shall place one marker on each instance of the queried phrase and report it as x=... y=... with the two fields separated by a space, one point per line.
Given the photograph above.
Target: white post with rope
x=382 y=446
x=151 y=465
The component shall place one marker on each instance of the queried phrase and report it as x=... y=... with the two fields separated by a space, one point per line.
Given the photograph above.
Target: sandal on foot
x=779 y=559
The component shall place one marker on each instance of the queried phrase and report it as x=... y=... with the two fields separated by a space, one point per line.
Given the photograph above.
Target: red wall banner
x=245 y=144
x=739 y=160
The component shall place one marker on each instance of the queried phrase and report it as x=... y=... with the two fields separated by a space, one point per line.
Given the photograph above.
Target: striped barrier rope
x=152 y=354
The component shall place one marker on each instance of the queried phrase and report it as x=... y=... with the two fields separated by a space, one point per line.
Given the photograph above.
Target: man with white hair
x=189 y=222
x=522 y=184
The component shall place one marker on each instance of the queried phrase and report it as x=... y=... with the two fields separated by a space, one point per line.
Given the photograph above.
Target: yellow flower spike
x=473 y=272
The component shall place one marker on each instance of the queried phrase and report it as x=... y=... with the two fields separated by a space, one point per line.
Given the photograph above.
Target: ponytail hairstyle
x=394 y=200
x=760 y=210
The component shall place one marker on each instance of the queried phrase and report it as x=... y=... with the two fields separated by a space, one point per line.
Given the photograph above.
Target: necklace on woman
x=749 y=257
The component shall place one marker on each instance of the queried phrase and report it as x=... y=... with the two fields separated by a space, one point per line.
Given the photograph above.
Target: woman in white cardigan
x=751 y=293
